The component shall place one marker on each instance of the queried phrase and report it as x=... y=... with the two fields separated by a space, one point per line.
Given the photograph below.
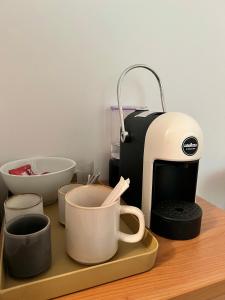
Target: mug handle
x=136 y=237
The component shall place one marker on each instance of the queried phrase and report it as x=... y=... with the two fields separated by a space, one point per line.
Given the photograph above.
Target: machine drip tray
x=179 y=220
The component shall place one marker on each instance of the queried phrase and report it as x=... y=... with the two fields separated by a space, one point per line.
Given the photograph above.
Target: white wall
x=60 y=61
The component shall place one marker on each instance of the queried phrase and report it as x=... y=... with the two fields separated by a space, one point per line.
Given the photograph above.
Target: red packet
x=23 y=170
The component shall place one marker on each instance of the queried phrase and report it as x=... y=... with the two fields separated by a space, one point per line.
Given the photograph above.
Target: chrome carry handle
x=124 y=133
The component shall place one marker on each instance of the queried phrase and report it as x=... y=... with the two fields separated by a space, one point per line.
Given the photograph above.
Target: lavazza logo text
x=190 y=145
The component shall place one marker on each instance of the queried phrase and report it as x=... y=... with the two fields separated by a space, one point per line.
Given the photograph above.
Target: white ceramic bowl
x=47 y=185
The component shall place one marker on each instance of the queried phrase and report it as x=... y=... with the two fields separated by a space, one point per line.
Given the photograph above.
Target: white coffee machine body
x=166 y=139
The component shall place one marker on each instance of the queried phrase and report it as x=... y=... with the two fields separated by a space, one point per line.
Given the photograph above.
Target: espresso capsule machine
x=160 y=152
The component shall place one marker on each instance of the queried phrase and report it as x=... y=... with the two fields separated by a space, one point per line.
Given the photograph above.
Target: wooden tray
x=67 y=276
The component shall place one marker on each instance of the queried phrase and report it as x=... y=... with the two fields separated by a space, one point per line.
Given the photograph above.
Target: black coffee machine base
x=180 y=220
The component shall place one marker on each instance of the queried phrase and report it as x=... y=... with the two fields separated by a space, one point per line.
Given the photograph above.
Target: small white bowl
x=61 y=171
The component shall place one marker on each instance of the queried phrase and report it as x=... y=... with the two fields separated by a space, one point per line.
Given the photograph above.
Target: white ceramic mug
x=92 y=231
x=23 y=204
x=61 y=200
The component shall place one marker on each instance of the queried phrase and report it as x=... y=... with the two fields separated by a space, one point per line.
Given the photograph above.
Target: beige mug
x=92 y=230
x=61 y=200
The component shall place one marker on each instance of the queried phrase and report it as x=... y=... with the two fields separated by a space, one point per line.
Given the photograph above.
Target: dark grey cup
x=27 y=245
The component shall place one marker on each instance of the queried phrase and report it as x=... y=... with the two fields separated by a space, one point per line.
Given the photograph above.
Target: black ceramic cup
x=27 y=245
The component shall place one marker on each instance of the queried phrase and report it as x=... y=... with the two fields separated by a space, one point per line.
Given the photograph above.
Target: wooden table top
x=193 y=269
